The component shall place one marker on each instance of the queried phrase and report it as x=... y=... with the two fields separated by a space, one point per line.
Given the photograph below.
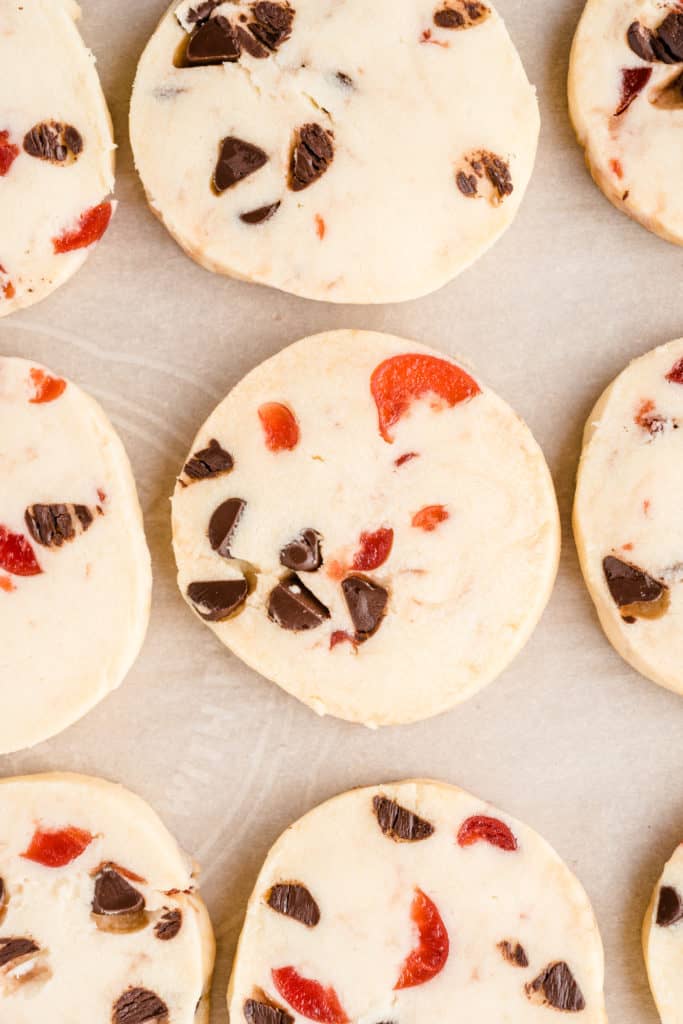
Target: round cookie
x=627 y=519
x=353 y=521
x=401 y=902
x=663 y=941
x=100 y=915
x=75 y=577
x=626 y=102
x=56 y=151
x=337 y=150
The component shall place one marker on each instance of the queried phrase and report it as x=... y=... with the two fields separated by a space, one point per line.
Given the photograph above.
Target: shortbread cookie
x=626 y=102
x=100 y=916
x=336 y=149
x=75 y=574
x=368 y=526
x=416 y=902
x=56 y=151
x=627 y=518
x=663 y=941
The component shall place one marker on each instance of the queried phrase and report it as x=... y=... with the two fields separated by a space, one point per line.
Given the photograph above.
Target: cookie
x=100 y=915
x=367 y=525
x=401 y=902
x=663 y=940
x=627 y=519
x=626 y=102
x=337 y=150
x=75 y=577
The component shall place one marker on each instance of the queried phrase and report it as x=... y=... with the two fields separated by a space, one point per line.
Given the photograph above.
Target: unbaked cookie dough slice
x=663 y=941
x=75 y=577
x=416 y=902
x=626 y=102
x=627 y=519
x=100 y=916
x=56 y=150
x=367 y=525
x=335 y=149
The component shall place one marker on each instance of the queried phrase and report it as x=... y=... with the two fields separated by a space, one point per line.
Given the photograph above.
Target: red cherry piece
x=6 y=584
x=633 y=81
x=374 y=549
x=16 y=554
x=8 y=153
x=56 y=849
x=408 y=457
x=279 y=426
x=91 y=226
x=401 y=380
x=675 y=375
x=616 y=168
x=45 y=387
x=480 y=829
x=309 y=998
x=428 y=518
x=430 y=955
x=340 y=636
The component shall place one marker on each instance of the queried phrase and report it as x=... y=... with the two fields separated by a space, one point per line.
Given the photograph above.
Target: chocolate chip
x=114 y=895
x=399 y=823
x=217 y=600
x=265 y=1013
x=236 y=161
x=304 y=553
x=557 y=987
x=498 y=173
x=139 y=1006
x=460 y=14
x=312 y=154
x=367 y=602
x=670 y=34
x=251 y=44
x=202 y=12
x=211 y=461
x=641 y=40
x=223 y=524
x=272 y=24
x=292 y=606
x=467 y=183
x=261 y=215
x=634 y=591
x=213 y=42
x=53 y=525
x=514 y=953
x=15 y=949
x=168 y=926
x=294 y=901
x=484 y=165
x=449 y=18
x=53 y=141
x=669 y=908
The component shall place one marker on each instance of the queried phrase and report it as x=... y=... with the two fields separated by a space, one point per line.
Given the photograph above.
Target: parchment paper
x=570 y=739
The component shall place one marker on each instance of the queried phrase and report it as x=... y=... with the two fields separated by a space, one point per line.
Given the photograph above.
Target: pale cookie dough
x=335 y=149
x=627 y=514
x=56 y=150
x=366 y=525
x=626 y=102
x=75 y=576
x=101 y=920
x=416 y=902
x=663 y=941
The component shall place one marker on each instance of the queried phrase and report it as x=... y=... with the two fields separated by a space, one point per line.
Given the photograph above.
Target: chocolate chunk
x=467 y=183
x=641 y=40
x=251 y=44
x=202 y=12
x=459 y=14
x=116 y=905
x=139 y=1006
x=635 y=591
x=211 y=461
x=670 y=34
x=294 y=901
x=312 y=154
x=16 y=949
x=514 y=953
x=223 y=524
x=217 y=600
x=399 y=823
x=292 y=606
x=303 y=554
x=52 y=525
x=54 y=142
x=236 y=161
x=556 y=987
x=168 y=926
x=265 y=1013
x=272 y=24
x=669 y=908
x=213 y=42
x=261 y=215
x=498 y=173
x=367 y=602
x=485 y=165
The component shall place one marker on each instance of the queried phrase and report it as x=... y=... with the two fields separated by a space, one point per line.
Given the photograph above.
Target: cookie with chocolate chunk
x=663 y=940
x=372 y=512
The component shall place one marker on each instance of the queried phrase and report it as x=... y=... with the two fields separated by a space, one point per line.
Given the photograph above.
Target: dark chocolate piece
x=202 y=12
x=211 y=461
x=312 y=154
x=514 y=953
x=169 y=924
x=139 y=1006
x=636 y=593
x=251 y=44
x=295 y=901
x=557 y=987
x=237 y=159
x=261 y=215
x=292 y=606
x=670 y=34
x=272 y=24
x=641 y=40
x=15 y=949
x=303 y=554
x=264 y=1013
x=399 y=823
x=669 y=908
x=52 y=525
x=53 y=141
x=467 y=183
x=114 y=896
x=458 y=14
x=223 y=524
x=367 y=603
x=217 y=600
x=213 y=42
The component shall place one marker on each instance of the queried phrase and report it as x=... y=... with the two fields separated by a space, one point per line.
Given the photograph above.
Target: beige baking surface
x=570 y=739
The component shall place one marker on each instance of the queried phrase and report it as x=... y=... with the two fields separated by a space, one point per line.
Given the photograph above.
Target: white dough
x=71 y=631
x=628 y=501
x=663 y=941
x=386 y=222
x=80 y=970
x=464 y=597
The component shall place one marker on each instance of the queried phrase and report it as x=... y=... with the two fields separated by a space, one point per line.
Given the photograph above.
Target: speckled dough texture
x=663 y=941
x=75 y=576
x=407 y=105
x=53 y=183
x=449 y=512
x=432 y=905
x=90 y=961
x=628 y=110
x=627 y=511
